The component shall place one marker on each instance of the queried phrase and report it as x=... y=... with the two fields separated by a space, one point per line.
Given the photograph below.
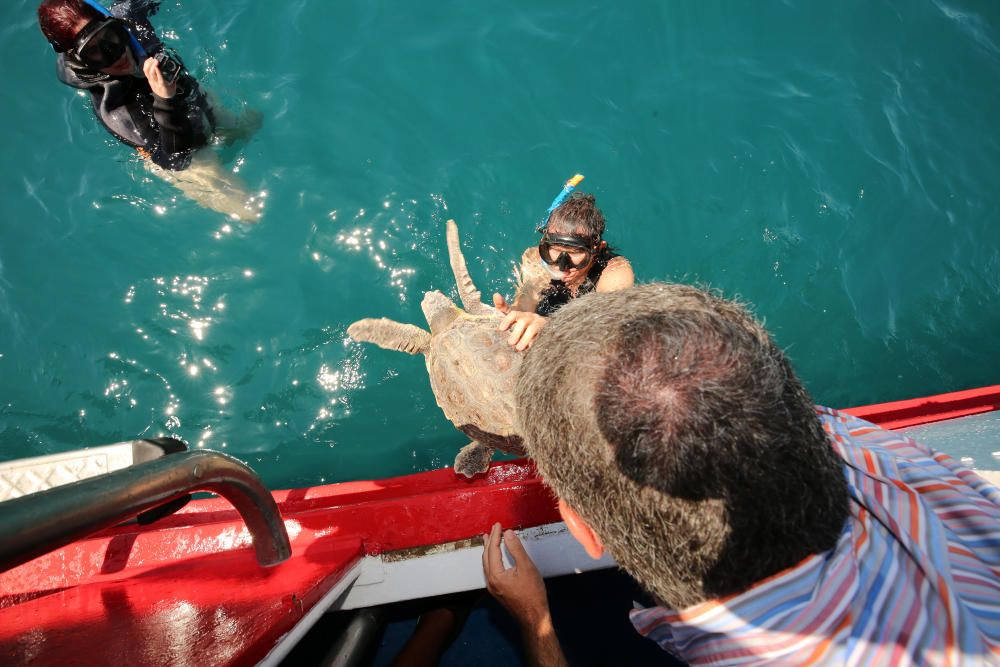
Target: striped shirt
x=914 y=578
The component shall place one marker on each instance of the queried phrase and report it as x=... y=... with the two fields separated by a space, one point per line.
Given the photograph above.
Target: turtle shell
x=473 y=370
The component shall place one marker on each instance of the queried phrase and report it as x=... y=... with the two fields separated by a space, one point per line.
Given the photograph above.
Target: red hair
x=58 y=20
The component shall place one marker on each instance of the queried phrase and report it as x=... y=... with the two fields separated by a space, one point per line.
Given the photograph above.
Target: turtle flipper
x=471 y=298
x=391 y=335
x=473 y=459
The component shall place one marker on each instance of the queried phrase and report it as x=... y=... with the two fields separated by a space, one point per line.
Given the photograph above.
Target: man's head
x=673 y=428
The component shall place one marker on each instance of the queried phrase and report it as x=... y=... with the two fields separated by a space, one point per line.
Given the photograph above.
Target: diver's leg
x=208 y=184
x=229 y=126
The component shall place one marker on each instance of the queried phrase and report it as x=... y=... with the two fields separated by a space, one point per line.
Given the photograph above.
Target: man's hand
x=519 y=589
x=160 y=88
x=524 y=326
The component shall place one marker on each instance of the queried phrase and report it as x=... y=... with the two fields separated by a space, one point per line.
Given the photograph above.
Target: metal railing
x=36 y=524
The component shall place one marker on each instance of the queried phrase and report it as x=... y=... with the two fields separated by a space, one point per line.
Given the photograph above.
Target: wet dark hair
x=579 y=211
x=58 y=20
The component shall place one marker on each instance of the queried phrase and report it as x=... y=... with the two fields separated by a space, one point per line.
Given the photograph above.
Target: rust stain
x=417 y=552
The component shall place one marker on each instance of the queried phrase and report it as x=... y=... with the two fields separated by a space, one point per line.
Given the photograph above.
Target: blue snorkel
x=136 y=46
x=100 y=8
x=560 y=198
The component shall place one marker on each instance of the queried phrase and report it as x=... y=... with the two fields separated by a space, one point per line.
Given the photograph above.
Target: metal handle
x=45 y=521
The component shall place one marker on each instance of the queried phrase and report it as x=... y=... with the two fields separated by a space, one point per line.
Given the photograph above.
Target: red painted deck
x=212 y=609
x=188 y=591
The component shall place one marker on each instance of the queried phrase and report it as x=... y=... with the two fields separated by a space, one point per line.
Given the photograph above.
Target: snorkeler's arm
x=176 y=130
x=524 y=328
x=617 y=275
x=173 y=112
x=524 y=325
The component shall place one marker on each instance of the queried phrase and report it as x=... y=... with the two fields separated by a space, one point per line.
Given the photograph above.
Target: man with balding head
x=677 y=437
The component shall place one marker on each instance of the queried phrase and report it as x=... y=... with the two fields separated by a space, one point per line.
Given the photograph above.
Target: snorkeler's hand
x=500 y=303
x=524 y=328
x=159 y=86
x=520 y=589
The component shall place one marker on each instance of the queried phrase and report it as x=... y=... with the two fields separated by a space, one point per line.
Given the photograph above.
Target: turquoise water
x=835 y=164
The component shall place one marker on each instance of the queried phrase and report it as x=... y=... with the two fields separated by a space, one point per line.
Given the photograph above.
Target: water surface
x=834 y=164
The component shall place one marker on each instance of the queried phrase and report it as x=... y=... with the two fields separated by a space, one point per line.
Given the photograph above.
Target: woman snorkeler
x=145 y=97
x=572 y=259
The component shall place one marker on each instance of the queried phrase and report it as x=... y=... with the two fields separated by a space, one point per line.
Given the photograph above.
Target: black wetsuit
x=168 y=130
x=558 y=294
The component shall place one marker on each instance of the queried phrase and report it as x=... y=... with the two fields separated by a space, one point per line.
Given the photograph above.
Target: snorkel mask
x=579 y=254
x=580 y=249
x=102 y=42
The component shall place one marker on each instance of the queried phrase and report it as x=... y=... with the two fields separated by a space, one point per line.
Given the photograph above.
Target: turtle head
x=439 y=310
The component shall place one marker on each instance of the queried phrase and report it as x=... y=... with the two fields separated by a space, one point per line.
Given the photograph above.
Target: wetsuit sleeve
x=180 y=125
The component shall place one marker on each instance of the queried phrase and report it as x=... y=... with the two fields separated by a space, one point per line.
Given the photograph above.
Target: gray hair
x=671 y=422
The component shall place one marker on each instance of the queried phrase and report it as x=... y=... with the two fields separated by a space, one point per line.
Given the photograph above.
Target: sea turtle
x=471 y=366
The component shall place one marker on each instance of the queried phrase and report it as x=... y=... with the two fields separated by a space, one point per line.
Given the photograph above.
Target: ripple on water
x=393 y=235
